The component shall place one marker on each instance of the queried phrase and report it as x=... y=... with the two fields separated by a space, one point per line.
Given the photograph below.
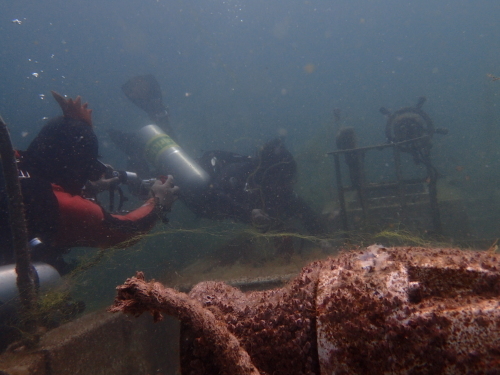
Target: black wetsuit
x=240 y=184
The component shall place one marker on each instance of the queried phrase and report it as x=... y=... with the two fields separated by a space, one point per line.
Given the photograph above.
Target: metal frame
x=400 y=182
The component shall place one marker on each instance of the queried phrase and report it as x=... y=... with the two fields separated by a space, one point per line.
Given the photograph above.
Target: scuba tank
x=45 y=276
x=169 y=158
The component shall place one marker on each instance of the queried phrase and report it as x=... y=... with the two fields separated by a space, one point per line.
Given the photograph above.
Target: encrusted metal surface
x=373 y=311
x=409 y=310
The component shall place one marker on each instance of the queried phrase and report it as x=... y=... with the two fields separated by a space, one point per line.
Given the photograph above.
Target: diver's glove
x=165 y=193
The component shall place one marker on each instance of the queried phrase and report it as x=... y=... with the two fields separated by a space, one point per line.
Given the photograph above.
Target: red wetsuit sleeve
x=84 y=223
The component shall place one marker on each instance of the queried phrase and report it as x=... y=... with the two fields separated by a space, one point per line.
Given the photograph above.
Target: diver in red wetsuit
x=54 y=169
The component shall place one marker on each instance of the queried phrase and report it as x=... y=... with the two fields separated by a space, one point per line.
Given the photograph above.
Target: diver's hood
x=65 y=153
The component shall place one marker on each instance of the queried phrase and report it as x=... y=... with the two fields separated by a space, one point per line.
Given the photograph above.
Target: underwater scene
x=285 y=187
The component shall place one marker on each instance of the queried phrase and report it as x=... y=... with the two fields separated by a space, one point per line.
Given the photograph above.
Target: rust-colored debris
x=379 y=310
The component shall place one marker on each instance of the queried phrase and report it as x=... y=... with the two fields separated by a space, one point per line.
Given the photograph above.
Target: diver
x=252 y=189
x=256 y=190
x=58 y=163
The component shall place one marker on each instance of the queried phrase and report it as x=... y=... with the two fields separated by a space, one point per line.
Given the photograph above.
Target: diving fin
x=145 y=92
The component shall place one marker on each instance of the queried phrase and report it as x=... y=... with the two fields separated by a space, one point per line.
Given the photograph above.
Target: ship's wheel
x=409 y=123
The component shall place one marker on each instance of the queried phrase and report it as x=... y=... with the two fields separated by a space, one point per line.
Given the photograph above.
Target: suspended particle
x=309 y=68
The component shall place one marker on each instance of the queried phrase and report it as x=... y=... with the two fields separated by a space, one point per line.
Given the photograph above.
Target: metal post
x=399 y=177
x=436 y=216
x=340 y=193
x=25 y=278
x=360 y=161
